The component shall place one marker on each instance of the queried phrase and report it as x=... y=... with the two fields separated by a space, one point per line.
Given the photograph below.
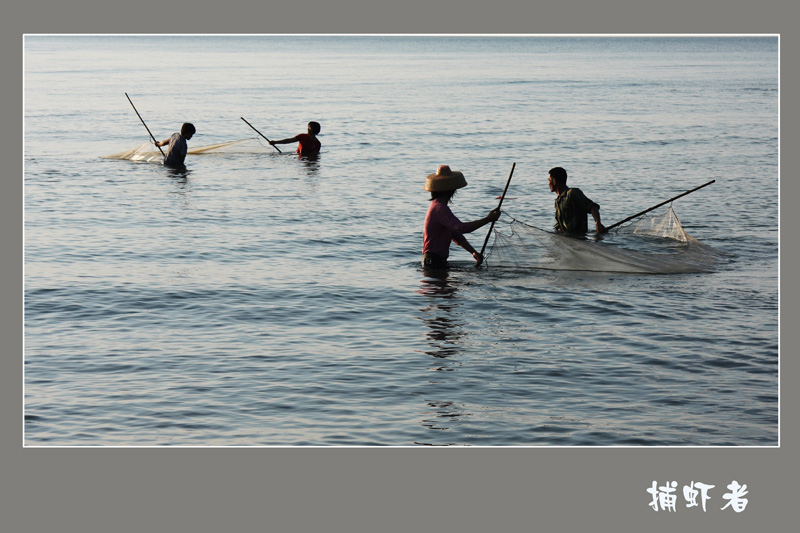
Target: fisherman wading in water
x=308 y=144
x=441 y=225
x=176 y=153
x=572 y=206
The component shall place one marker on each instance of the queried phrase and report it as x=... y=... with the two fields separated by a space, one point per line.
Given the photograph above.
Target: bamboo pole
x=265 y=137
x=498 y=207
x=657 y=206
x=145 y=126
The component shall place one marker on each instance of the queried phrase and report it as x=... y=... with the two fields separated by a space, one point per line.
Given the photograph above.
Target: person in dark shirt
x=176 y=153
x=572 y=205
x=308 y=144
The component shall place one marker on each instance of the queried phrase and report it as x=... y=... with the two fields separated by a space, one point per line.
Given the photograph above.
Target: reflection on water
x=444 y=335
x=310 y=163
x=444 y=329
x=179 y=175
x=183 y=187
x=440 y=418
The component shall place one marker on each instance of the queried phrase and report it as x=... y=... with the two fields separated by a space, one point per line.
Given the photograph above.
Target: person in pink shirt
x=308 y=144
x=441 y=225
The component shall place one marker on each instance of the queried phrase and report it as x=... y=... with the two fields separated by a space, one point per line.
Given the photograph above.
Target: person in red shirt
x=441 y=225
x=308 y=144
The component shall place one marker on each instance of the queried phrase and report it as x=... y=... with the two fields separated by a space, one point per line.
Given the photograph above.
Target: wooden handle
x=498 y=207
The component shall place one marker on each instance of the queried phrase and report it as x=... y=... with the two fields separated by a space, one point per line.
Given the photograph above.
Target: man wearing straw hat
x=441 y=225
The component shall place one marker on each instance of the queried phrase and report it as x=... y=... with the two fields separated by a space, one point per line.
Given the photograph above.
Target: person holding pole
x=441 y=225
x=572 y=205
x=176 y=153
x=308 y=144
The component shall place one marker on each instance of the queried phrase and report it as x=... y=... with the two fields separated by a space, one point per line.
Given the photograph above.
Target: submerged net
x=655 y=244
x=148 y=151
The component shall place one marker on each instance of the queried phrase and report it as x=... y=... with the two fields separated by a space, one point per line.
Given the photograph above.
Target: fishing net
x=148 y=151
x=654 y=244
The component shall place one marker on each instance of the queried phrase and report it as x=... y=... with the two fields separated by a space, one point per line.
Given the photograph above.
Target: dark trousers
x=433 y=261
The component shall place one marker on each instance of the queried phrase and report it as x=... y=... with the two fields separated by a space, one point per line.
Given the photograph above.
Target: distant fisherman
x=441 y=225
x=176 y=153
x=572 y=205
x=308 y=144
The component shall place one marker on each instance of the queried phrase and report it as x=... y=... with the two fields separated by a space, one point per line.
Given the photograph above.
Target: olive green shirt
x=572 y=208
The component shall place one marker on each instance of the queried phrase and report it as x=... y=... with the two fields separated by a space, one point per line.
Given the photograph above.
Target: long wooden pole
x=498 y=207
x=265 y=137
x=659 y=205
x=145 y=125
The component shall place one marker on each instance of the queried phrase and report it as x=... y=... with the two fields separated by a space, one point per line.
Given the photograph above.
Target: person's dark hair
x=559 y=174
x=446 y=195
x=315 y=127
x=187 y=129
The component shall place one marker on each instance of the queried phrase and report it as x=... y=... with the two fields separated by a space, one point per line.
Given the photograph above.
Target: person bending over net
x=176 y=153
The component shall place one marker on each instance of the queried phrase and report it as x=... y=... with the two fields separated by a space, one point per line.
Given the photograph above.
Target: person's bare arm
x=493 y=215
x=286 y=141
x=595 y=211
x=461 y=241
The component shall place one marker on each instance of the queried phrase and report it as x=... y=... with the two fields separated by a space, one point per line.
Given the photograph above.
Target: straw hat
x=445 y=180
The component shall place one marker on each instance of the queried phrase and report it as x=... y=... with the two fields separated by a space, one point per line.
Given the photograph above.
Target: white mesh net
x=654 y=244
x=148 y=151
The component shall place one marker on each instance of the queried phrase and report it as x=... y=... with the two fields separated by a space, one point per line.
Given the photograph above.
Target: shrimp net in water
x=148 y=152
x=654 y=244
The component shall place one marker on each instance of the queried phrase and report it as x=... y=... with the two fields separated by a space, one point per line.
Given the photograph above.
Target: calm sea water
x=261 y=299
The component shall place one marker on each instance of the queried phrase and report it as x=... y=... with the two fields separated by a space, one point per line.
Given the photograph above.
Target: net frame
x=651 y=244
